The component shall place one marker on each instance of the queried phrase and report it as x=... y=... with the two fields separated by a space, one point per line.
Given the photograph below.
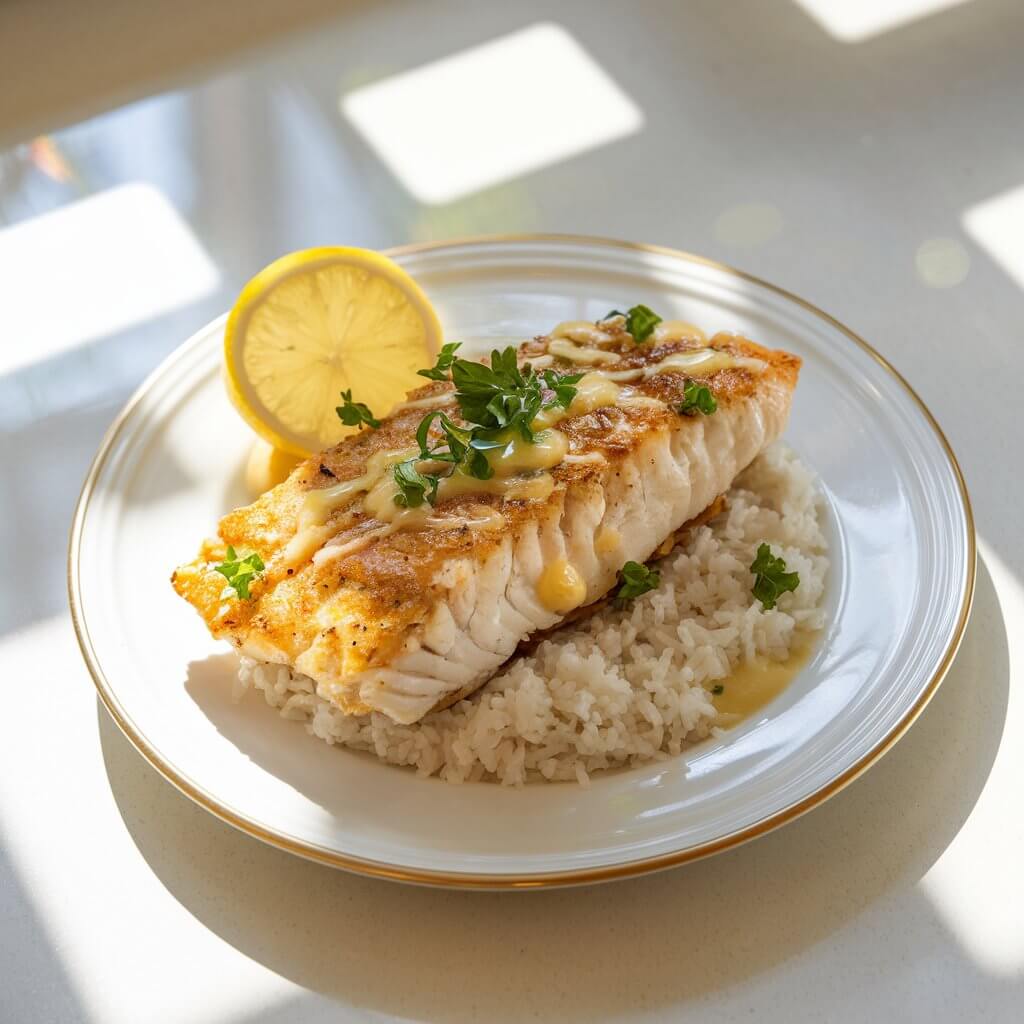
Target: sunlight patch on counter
x=88 y=880
x=853 y=21
x=94 y=267
x=491 y=113
x=942 y=263
x=997 y=225
x=976 y=886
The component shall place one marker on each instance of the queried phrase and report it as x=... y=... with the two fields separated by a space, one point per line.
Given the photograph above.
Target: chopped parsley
x=564 y=387
x=239 y=572
x=439 y=371
x=771 y=580
x=461 y=445
x=697 y=399
x=640 y=321
x=718 y=689
x=636 y=579
x=504 y=396
x=494 y=400
x=414 y=487
x=352 y=414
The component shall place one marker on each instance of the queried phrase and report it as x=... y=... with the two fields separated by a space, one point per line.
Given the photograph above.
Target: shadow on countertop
x=593 y=953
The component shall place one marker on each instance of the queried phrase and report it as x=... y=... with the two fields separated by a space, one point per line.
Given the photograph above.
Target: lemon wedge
x=319 y=322
x=266 y=467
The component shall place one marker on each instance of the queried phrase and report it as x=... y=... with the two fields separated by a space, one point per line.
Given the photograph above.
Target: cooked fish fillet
x=404 y=620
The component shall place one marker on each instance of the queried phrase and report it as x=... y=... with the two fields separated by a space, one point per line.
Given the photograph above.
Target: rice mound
x=623 y=686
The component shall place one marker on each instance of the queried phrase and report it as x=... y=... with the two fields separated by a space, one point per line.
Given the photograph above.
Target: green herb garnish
x=439 y=371
x=636 y=579
x=718 y=689
x=353 y=413
x=697 y=398
x=461 y=446
x=239 y=572
x=640 y=321
x=564 y=387
x=771 y=580
x=414 y=487
x=494 y=400
x=499 y=396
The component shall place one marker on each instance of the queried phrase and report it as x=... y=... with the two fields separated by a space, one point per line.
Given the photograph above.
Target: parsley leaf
x=456 y=437
x=464 y=446
x=353 y=413
x=494 y=400
x=498 y=396
x=771 y=580
x=718 y=689
x=439 y=371
x=239 y=572
x=564 y=387
x=697 y=398
x=504 y=396
x=414 y=487
x=636 y=579
x=640 y=322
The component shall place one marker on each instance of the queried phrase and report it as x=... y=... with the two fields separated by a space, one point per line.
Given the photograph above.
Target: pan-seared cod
x=400 y=572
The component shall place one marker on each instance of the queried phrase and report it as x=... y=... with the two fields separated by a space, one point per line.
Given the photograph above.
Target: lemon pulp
x=319 y=322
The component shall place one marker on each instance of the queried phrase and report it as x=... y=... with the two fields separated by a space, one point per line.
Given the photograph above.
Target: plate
x=900 y=588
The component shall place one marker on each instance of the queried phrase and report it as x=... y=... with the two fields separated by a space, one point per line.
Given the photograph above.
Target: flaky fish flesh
x=405 y=610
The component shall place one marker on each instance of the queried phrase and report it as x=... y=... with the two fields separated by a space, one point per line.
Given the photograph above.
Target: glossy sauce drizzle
x=753 y=685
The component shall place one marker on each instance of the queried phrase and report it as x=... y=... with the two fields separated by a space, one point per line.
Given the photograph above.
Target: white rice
x=622 y=686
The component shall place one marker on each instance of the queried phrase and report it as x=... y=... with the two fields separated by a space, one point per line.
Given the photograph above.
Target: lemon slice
x=266 y=467
x=319 y=322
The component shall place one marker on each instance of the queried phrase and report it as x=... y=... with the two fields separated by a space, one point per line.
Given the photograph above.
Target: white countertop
x=860 y=171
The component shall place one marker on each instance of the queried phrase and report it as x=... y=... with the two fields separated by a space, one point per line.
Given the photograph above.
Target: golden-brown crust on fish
x=388 y=582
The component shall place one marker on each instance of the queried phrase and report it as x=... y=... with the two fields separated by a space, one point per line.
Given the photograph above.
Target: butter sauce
x=595 y=390
x=515 y=478
x=636 y=400
x=560 y=587
x=697 y=362
x=318 y=505
x=548 y=449
x=576 y=354
x=430 y=402
x=677 y=330
x=534 y=487
x=591 y=458
x=584 y=332
x=755 y=684
x=483 y=517
x=703 y=362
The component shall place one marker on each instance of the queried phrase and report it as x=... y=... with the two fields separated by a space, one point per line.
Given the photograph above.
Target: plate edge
x=583 y=876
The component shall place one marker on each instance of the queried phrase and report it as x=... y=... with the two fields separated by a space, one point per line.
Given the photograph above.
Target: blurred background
x=865 y=154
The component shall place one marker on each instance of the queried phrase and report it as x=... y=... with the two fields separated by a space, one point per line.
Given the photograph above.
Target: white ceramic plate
x=899 y=594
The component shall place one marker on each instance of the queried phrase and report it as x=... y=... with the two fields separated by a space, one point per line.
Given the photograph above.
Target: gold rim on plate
x=463 y=880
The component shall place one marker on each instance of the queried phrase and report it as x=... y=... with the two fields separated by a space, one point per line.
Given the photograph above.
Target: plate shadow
x=664 y=939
